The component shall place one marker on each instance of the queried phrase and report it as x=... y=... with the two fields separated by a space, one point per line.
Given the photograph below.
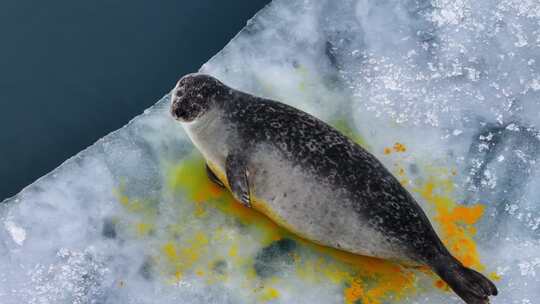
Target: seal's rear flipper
x=468 y=284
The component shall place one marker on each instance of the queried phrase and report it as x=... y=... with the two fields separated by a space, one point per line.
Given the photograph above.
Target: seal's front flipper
x=237 y=176
x=212 y=176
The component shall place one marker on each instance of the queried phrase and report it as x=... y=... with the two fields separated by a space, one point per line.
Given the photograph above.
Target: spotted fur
x=319 y=183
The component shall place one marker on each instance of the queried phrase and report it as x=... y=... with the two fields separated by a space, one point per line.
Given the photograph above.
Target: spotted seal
x=313 y=180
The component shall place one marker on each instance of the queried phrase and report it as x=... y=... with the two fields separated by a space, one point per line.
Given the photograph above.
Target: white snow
x=18 y=234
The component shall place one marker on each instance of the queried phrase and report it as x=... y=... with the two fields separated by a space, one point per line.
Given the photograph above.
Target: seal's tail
x=468 y=284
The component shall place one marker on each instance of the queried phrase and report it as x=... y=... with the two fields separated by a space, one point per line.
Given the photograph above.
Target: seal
x=313 y=180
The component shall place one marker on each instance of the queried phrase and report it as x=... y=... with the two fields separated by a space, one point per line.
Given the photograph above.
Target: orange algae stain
x=398 y=147
x=440 y=284
x=377 y=281
x=354 y=292
x=387 y=279
x=401 y=174
x=455 y=221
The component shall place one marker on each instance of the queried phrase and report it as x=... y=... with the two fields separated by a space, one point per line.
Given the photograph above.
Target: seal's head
x=194 y=95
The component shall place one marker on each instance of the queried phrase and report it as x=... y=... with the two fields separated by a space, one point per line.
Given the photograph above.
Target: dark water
x=73 y=71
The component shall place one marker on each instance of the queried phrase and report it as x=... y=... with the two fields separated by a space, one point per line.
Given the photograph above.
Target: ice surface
x=445 y=93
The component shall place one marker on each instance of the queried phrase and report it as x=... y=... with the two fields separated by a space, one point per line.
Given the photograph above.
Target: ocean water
x=73 y=71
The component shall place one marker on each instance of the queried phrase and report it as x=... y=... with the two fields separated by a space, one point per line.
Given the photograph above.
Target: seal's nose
x=176 y=94
x=178 y=112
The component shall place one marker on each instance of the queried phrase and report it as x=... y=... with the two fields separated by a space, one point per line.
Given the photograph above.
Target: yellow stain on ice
x=183 y=256
x=494 y=276
x=268 y=294
x=191 y=177
x=170 y=251
x=140 y=206
x=144 y=210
